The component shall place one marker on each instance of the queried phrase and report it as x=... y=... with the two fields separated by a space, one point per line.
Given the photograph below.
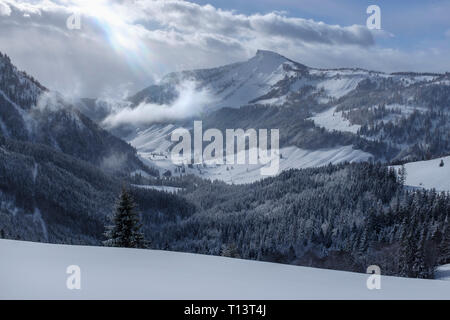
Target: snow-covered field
x=152 y=145
x=333 y=120
x=38 y=271
x=428 y=174
x=292 y=158
x=340 y=86
x=159 y=188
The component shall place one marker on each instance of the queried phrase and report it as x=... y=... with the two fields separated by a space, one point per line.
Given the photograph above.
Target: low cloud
x=114 y=162
x=49 y=100
x=5 y=10
x=190 y=102
x=136 y=42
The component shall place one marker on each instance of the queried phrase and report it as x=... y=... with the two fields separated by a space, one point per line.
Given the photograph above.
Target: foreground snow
x=428 y=174
x=33 y=270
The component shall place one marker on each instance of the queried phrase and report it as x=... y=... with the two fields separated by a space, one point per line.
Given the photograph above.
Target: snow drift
x=38 y=271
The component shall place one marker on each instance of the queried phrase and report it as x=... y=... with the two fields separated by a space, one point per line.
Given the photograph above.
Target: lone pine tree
x=125 y=230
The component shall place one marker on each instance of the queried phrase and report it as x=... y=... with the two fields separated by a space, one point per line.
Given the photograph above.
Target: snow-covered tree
x=445 y=246
x=125 y=230
x=402 y=175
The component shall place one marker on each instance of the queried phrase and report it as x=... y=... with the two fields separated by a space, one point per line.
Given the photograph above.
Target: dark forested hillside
x=345 y=217
x=30 y=112
x=59 y=171
x=49 y=196
x=295 y=127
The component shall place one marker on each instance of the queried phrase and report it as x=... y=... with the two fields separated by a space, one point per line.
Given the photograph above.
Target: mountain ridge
x=30 y=112
x=389 y=112
x=266 y=57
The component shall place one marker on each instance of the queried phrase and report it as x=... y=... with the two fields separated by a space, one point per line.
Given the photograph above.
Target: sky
x=122 y=46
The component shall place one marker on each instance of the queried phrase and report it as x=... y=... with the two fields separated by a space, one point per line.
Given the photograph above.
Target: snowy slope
x=428 y=174
x=339 y=87
x=38 y=271
x=292 y=158
x=153 y=145
x=333 y=120
x=154 y=139
x=159 y=188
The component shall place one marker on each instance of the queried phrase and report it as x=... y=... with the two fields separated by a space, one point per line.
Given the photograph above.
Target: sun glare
x=119 y=32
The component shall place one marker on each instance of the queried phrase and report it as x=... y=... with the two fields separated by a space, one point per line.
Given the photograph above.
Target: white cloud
x=190 y=102
x=189 y=17
x=5 y=10
x=133 y=43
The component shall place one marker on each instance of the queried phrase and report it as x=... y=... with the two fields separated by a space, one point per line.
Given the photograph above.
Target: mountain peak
x=271 y=57
x=267 y=61
x=267 y=53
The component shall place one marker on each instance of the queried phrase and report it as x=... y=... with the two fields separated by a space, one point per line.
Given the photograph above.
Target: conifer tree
x=407 y=250
x=444 y=247
x=419 y=267
x=125 y=230
x=402 y=175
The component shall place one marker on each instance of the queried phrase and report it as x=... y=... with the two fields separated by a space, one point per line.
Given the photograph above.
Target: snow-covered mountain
x=231 y=85
x=38 y=271
x=272 y=79
x=390 y=117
